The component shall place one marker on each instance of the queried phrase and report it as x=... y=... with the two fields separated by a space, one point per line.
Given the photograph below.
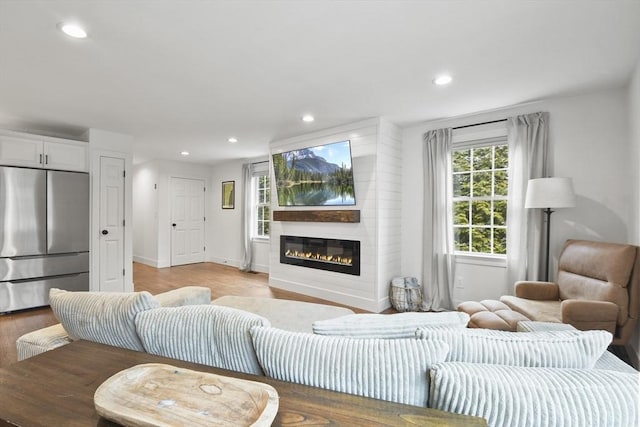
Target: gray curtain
x=438 y=246
x=245 y=234
x=528 y=150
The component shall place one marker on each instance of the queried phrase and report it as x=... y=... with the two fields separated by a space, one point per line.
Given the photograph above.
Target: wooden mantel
x=350 y=215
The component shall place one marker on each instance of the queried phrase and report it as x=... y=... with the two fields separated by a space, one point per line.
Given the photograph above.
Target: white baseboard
x=225 y=261
x=146 y=261
x=383 y=304
x=155 y=263
x=164 y=263
x=340 y=298
x=260 y=268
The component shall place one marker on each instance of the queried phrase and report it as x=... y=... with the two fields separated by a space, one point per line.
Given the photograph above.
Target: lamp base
x=548 y=213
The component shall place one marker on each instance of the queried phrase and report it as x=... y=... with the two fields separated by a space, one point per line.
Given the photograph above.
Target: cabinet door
x=21 y=152
x=66 y=156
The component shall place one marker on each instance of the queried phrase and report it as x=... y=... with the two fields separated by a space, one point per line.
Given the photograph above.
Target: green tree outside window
x=262 y=210
x=480 y=184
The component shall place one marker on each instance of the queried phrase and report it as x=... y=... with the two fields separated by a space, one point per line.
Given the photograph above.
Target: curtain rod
x=479 y=124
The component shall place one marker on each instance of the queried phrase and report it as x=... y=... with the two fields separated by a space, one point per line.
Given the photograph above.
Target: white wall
x=145 y=214
x=588 y=142
x=152 y=209
x=226 y=224
x=634 y=126
x=388 y=208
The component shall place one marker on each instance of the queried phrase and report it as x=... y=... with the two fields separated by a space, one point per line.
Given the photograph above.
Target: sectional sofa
x=546 y=375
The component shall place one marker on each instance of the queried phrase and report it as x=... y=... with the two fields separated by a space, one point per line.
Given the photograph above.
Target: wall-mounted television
x=315 y=176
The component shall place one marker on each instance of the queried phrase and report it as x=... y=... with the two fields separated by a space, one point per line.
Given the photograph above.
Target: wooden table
x=56 y=389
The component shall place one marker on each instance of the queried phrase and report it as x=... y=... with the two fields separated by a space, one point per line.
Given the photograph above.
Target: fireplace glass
x=342 y=256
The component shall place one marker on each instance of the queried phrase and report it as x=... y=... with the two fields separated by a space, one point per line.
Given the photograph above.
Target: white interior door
x=187 y=221
x=111 y=224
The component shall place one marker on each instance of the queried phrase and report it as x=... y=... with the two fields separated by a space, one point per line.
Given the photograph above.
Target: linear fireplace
x=342 y=256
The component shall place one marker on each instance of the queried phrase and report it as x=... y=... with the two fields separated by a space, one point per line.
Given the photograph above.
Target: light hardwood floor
x=221 y=279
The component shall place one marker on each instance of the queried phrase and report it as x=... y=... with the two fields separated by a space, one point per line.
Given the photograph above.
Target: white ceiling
x=187 y=75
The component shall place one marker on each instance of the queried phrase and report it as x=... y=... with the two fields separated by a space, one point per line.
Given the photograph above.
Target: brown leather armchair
x=598 y=287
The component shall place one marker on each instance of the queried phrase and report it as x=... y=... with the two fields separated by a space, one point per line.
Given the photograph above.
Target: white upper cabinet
x=21 y=152
x=67 y=155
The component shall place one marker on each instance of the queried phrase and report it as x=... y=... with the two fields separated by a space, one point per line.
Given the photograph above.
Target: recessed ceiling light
x=307 y=118
x=184 y=153
x=442 y=80
x=73 y=30
x=233 y=140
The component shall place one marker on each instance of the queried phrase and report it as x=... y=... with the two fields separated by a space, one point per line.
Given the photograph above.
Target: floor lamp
x=548 y=194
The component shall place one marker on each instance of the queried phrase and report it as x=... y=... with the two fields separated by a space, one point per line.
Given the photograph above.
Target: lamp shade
x=550 y=193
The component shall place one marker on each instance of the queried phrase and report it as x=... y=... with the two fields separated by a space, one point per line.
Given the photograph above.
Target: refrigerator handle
x=31 y=279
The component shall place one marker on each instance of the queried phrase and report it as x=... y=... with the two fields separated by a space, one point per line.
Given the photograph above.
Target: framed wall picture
x=228 y=194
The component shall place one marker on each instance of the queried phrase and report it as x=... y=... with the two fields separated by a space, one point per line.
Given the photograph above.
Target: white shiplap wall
x=376 y=155
x=389 y=201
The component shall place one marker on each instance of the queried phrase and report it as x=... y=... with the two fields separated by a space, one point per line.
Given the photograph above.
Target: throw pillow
x=103 y=317
x=510 y=396
x=393 y=370
x=553 y=349
x=401 y=325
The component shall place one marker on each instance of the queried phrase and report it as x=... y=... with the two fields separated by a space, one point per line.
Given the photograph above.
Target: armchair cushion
x=607 y=262
x=586 y=315
x=544 y=291
x=597 y=271
x=574 y=286
x=543 y=311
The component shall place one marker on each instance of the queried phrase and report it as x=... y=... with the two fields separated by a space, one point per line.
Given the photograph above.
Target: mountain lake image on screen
x=315 y=176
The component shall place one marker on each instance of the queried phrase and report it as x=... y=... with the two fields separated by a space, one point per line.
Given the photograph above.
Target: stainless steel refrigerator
x=44 y=235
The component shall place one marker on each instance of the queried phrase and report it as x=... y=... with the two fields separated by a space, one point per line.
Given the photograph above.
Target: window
x=480 y=197
x=262 y=202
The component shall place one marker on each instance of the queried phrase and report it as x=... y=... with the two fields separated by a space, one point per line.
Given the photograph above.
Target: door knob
x=174 y=224
x=105 y=232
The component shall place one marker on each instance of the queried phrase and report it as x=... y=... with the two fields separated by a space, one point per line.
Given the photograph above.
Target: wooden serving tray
x=156 y=394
